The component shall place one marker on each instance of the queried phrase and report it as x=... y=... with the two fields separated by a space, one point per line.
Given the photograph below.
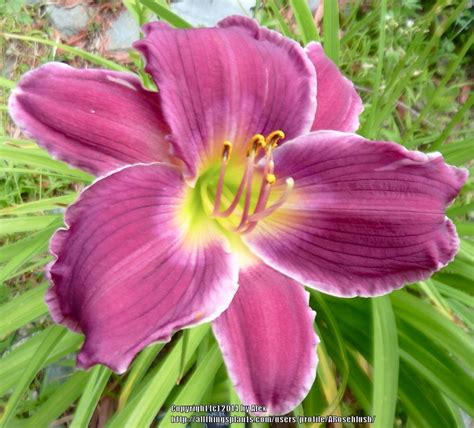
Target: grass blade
x=30 y=371
x=454 y=121
x=22 y=310
x=305 y=20
x=59 y=401
x=138 y=371
x=5 y=83
x=431 y=323
x=200 y=382
x=94 y=59
x=143 y=407
x=437 y=366
x=166 y=14
x=369 y=128
x=98 y=378
x=281 y=21
x=15 y=363
x=33 y=156
x=9 y=226
x=25 y=250
x=426 y=407
x=331 y=29
x=46 y=204
x=386 y=362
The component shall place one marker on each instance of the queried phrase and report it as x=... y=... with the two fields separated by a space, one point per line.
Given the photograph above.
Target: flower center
x=251 y=213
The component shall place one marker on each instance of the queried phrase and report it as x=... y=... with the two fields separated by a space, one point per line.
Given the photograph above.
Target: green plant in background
x=406 y=357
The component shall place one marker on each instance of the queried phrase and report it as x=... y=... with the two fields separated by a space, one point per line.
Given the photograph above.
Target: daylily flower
x=221 y=195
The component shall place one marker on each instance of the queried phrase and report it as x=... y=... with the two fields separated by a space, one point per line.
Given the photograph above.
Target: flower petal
x=228 y=83
x=339 y=105
x=97 y=120
x=268 y=340
x=365 y=217
x=130 y=271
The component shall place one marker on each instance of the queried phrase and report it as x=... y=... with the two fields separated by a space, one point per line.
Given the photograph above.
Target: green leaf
x=22 y=310
x=305 y=20
x=460 y=209
x=459 y=152
x=9 y=226
x=454 y=293
x=464 y=228
x=61 y=399
x=40 y=206
x=331 y=29
x=29 y=372
x=453 y=122
x=166 y=14
x=416 y=55
x=144 y=406
x=463 y=312
x=426 y=407
x=13 y=364
x=33 y=156
x=281 y=21
x=386 y=362
x=8 y=251
x=332 y=338
x=359 y=383
x=437 y=366
x=370 y=129
x=200 y=382
x=431 y=323
x=98 y=378
x=453 y=67
x=139 y=369
x=25 y=250
x=6 y=83
x=94 y=59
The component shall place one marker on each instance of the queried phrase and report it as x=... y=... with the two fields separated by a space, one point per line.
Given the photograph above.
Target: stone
x=68 y=21
x=122 y=33
x=314 y=4
x=209 y=12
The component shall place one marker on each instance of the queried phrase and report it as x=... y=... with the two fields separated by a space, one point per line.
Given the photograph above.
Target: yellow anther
x=274 y=137
x=256 y=142
x=227 y=151
x=271 y=178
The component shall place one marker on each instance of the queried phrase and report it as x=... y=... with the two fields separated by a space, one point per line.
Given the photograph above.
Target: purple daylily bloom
x=219 y=196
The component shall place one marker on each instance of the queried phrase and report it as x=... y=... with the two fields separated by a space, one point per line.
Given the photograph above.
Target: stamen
x=290 y=184
x=249 y=221
x=240 y=190
x=271 y=178
x=226 y=153
x=274 y=137
x=256 y=143
x=268 y=178
x=248 y=196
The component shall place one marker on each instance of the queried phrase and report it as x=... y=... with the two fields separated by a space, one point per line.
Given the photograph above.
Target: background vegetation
x=406 y=358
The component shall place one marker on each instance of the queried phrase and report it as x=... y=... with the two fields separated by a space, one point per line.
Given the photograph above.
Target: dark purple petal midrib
x=310 y=229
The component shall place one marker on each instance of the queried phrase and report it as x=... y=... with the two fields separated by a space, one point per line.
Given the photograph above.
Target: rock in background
x=210 y=12
x=109 y=28
x=123 y=31
x=69 y=21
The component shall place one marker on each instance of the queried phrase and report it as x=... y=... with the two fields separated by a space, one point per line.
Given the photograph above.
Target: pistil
x=257 y=216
